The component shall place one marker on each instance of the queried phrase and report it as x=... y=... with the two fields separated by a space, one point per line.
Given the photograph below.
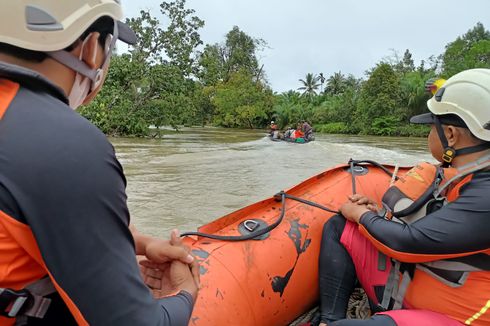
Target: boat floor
x=358 y=308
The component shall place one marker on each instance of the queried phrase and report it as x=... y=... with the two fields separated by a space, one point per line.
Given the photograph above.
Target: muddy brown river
x=189 y=178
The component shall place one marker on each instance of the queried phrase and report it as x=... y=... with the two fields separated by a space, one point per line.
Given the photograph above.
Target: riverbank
x=336 y=128
x=405 y=130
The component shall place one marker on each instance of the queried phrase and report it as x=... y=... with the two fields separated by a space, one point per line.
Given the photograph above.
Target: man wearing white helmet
x=67 y=255
x=438 y=266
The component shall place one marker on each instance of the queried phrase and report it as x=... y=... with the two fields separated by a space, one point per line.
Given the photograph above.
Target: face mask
x=79 y=91
x=81 y=86
x=86 y=79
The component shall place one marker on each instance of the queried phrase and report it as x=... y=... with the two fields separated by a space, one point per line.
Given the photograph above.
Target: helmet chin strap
x=95 y=75
x=449 y=153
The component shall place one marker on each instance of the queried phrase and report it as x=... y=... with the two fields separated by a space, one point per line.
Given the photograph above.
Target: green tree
x=211 y=65
x=406 y=64
x=181 y=38
x=379 y=98
x=322 y=80
x=242 y=102
x=413 y=95
x=472 y=50
x=291 y=107
x=238 y=53
x=152 y=85
x=336 y=84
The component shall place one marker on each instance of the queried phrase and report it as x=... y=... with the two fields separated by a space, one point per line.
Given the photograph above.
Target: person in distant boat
x=298 y=133
x=67 y=253
x=273 y=131
x=431 y=271
x=273 y=127
x=307 y=130
x=289 y=133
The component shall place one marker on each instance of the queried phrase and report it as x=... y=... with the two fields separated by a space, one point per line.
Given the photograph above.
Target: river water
x=189 y=178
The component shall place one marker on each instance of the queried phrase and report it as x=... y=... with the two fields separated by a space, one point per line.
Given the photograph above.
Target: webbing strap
x=33 y=296
x=402 y=289
x=39 y=290
x=453 y=266
x=390 y=285
x=394 y=290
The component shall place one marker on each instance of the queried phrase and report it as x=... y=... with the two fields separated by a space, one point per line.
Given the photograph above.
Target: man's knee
x=334 y=226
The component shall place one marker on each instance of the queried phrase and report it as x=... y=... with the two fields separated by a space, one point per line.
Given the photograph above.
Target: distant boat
x=296 y=140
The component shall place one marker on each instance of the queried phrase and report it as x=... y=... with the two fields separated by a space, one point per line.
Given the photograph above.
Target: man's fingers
x=360 y=199
x=196 y=273
x=154 y=273
x=171 y=252
x=355 y=198
x=153 y=283
x=364 y=201
x=175 y=239
x=149 y=264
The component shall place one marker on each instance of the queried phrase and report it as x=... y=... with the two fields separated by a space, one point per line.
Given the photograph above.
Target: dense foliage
x=170 y=78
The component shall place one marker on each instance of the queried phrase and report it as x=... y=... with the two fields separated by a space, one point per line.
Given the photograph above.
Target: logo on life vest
x=413 y=174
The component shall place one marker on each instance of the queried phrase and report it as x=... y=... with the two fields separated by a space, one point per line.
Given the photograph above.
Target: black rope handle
x=282 y=196
x=379 y=165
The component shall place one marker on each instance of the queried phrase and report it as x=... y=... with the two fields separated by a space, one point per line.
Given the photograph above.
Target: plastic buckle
x=12 y=302
x=448 y=155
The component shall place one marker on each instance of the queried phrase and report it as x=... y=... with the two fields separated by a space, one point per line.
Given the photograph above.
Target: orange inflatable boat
x=273 y=278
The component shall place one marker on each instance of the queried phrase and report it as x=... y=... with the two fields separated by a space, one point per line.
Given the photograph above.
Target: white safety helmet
x=52 y=25
x=466 y=95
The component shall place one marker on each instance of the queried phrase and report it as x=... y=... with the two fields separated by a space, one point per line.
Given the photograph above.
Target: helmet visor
x=446 y=119
x=126 y=34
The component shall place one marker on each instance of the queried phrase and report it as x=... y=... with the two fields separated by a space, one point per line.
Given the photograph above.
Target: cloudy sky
x=333 y=35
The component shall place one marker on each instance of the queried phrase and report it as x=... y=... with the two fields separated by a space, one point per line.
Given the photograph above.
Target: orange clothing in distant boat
x=298 y=134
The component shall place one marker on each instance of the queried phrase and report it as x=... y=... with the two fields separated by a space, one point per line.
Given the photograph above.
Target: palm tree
x=310 y=85
x=335 y=84
x=322 y=81
x=413 y=93
x=352 y=82
x=290 y=97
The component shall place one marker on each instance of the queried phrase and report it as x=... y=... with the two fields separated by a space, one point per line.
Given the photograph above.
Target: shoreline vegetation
x=170 y=78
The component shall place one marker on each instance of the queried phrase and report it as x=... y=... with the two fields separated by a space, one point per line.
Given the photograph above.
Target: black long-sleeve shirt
x=63 y=210
x=460 y=228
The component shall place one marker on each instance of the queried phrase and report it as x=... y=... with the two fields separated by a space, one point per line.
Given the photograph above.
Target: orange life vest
x=411 y=197
x=467 y=299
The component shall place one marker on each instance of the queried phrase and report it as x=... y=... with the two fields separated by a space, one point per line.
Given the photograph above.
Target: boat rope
x=353 y=175
x=282 y=196
x=379 y=165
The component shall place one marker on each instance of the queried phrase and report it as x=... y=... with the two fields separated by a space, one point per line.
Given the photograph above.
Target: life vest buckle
x=12 y=302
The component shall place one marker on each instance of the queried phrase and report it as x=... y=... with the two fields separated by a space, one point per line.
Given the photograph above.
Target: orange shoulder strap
x=454 y=192
x=8 y=90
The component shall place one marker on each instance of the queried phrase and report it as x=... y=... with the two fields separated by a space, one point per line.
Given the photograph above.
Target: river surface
x=190 y=178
